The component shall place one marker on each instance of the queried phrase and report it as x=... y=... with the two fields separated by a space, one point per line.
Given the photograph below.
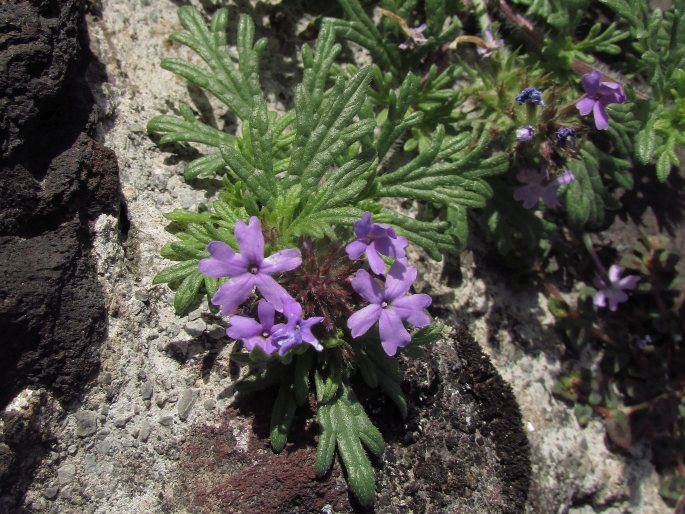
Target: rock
x=145 y=430
x=166 y=421
x=146 y=390
x=195 y=328
x=6 y=459
x=185 y=403
x=55 y=179
x=50 y=492
x=66 y=474
x=209 y=404
x=86 y=423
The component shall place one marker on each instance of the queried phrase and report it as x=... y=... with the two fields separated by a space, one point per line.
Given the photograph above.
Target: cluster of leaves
x=638 y=383
x=310 y=173
x=657 y=56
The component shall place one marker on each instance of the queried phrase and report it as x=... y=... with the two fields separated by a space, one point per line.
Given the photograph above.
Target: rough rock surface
x=56 y=180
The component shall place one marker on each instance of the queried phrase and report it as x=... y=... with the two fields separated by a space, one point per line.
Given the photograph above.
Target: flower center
x=265 y=334
x=254 y=269
x=384 y=304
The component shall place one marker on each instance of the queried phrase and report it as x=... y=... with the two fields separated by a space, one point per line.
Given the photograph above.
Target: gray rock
x=161 y=399
x=210 y=404
x=145 y=430
x=195 y=328
x=50 y=492
x=66 y=474
x=6 y=459
x=166 y=421
x=86 y=423
x=185 y=403
x=146 y=390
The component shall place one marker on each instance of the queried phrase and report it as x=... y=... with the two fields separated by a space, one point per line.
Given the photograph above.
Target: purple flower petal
x=585 y=105
x=363 y=225
x=250 y=240
x=614 y=273
x=243 y=328
x=224 y=262
x=285 y=260
x=529 y=195
x=266 y=314
x=367 y=287
x=398 y=281
x=392 y=245
x=601 y=117
x=411 y=307
x=306 y=331
x=549 y=196
x=600 y=299
x=233 y=293
x=629 y=282
x=590 y=82
x=375 y=260
x=266 y=344
x=271 y=290
x=615 y=296
x=361 y=321
x=355 y=249
x=392 y=332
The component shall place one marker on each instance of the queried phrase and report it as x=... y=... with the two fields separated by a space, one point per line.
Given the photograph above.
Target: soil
x=461 y=449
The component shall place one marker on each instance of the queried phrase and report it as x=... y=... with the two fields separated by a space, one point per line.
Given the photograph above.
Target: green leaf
x=303 y=366
x=188 y=293
x=282 y=415
x=584 y=202
x=176 y=272
x=663 y=167
x=345 y=425
x=645 y=143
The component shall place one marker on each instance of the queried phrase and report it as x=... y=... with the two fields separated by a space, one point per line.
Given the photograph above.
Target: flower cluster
x=248 y=270
x=389 y=305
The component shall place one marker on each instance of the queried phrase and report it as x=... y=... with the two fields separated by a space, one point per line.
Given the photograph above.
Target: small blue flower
x=530 y=94
x=565 y=135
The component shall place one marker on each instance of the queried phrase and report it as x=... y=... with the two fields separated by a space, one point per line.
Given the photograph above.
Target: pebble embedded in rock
x=145 y=430
x=185 y=403
x=146 y=390
x=66 y=474
x=195 y=328
x=50 y=492
x=210 y=404
x=166 y=421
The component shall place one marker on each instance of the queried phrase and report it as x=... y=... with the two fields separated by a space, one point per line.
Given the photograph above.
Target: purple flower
x=597 y=96
x=525 y=133
x=530 y=94
x=247 y=269
x=296 y=330
x=415 y=37
x=375 y=239
x=565 y=135
x=389 y=307
x=253 y=333
x=536 y=188
x=614 y=291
